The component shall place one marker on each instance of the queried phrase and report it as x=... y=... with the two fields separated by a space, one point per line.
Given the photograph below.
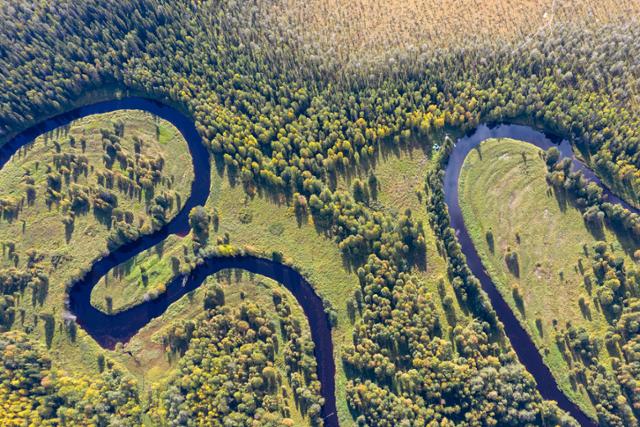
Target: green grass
x=40 y=227
x=265 y=224
x=401 y=175
x=125 y=285
x=274 y=227
x=501 y=192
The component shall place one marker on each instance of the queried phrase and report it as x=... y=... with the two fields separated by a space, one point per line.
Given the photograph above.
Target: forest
x=287 y=119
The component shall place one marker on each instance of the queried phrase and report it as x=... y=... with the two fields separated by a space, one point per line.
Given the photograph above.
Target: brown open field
x=357 y=29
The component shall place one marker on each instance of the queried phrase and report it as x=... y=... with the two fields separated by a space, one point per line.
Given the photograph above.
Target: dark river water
x=109 y=329
x=520 y=339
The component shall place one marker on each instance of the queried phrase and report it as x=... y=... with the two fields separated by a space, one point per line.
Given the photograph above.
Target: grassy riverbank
x=145 y=355
x=56 y=183
x=400 y=173
x=266 y=225
x=508 y=207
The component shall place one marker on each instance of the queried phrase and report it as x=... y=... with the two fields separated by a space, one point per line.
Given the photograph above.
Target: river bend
x=109 y=329
x=520 y=339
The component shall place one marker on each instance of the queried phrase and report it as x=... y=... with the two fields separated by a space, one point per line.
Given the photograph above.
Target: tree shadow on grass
x=596 y=229
x=561 y=198
x=628 y=243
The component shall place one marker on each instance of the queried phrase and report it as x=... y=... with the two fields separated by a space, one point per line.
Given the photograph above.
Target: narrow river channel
x=520 y=339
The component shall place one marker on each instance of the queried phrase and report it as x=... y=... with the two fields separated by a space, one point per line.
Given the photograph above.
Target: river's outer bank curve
x=520 y=339
x=106 y=329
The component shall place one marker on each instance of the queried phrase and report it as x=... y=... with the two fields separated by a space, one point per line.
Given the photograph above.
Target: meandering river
x=520 y=339
x=109 y=329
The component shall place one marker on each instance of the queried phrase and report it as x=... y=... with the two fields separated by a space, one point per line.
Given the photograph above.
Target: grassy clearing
x=63 y=254
x=502 y=193
x=264 y=225
x=127 y=284
x=40 y=225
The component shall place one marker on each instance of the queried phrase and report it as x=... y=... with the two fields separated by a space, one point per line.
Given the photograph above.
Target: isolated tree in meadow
x=511 y=259
x=490 y=240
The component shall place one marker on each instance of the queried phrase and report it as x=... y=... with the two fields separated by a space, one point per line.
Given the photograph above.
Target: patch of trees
x=271 y=125
x=126 y=174
x=105 y=202
x=466 y=286
x=79 y=198
x=300 y=362
x=615 y=290
x=137 y=172
x=199 y=221
x=159 y=209
x=360 y=231
x=7 y=312
x=176 y=339
x=589 y=198
x=71 y=165
x=33 y=392
x=228 y=373
x=122 y=233
x=13 y=284
x=614 y=287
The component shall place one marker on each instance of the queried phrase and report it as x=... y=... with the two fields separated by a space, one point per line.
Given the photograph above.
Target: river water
x=520 y=339
x=109 y=329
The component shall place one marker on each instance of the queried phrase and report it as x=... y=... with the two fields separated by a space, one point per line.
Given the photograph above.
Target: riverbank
x=525 y=348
